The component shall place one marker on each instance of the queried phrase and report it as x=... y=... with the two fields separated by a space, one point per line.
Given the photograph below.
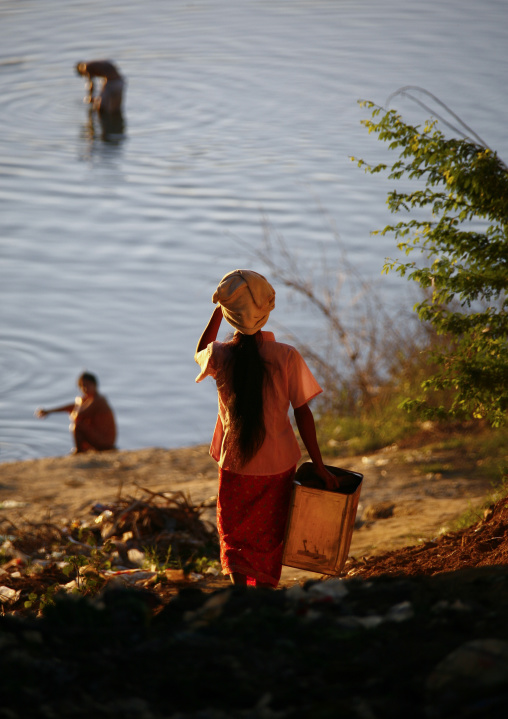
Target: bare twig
x=466 y=131
x=356 y=346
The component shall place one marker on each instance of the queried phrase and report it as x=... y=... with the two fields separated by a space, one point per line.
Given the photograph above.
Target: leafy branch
x=462 y=240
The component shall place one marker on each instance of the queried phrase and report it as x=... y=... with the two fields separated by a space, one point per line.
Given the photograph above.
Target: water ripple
x=237 y=116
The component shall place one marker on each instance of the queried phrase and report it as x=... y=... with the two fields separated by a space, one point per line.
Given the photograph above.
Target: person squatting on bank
x=93 y=425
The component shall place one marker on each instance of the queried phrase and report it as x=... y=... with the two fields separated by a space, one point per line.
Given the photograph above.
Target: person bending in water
x=110 y=98
x=92 y=419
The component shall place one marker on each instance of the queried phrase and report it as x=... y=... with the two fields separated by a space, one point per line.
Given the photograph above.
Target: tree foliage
x=457 y=216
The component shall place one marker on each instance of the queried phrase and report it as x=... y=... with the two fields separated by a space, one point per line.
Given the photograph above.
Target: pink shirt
x=292 y=383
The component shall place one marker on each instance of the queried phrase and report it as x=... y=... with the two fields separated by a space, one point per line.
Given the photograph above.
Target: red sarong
x=251 y=519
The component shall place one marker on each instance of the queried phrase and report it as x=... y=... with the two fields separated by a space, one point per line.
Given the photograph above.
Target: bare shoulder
x=99 y=68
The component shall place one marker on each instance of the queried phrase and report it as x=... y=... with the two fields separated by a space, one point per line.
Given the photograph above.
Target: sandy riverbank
x=400 y=502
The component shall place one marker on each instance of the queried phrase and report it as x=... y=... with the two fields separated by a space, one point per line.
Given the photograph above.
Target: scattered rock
x=380 y=510
x=473 y=671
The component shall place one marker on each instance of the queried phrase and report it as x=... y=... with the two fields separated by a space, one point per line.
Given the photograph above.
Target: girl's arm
x=307 y=428
x=211 y=330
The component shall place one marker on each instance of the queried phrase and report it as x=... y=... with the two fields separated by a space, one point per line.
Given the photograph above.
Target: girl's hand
x=41 y=413
x=331 y=481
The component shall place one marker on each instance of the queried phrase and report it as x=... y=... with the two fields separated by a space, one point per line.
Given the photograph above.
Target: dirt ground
x=417 y=625
x=409 y=493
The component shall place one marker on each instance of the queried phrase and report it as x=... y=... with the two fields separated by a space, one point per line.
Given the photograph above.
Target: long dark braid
x=245 y=376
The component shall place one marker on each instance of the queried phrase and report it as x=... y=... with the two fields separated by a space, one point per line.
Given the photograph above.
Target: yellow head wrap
x=246 y=298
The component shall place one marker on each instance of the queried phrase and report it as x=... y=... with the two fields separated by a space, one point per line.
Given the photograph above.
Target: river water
x=237 y=115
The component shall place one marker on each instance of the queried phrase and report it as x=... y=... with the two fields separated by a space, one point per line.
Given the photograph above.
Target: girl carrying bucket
x=254 y=443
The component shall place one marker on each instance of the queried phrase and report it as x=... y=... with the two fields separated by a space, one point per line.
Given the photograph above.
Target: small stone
x=296 y=593
x=8 y=595
x=474 y=668
x=334 y=589
x=370 y=622
x=380 y=510
x=136 y=557
x=400 y=612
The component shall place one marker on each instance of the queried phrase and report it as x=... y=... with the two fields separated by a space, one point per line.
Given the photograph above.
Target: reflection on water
x=115 y=231
x=106 y=127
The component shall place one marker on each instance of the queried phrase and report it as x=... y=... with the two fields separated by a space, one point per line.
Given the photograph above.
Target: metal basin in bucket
x=320 y=522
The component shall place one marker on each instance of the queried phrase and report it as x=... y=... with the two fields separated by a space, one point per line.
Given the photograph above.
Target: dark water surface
x=111 y=245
